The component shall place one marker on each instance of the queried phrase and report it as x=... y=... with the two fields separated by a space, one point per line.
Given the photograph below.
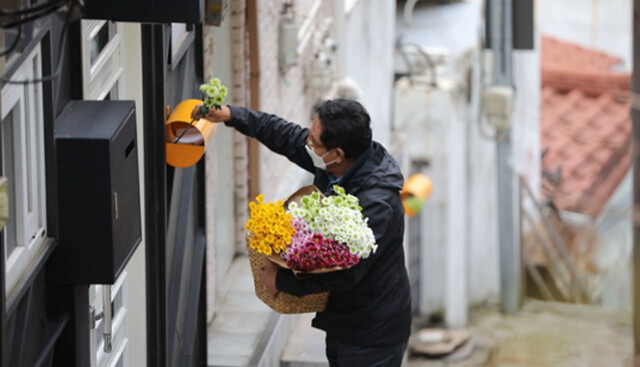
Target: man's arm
x=277 y=134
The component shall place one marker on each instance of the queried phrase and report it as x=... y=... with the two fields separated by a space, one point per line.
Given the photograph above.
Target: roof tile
x=585 y=125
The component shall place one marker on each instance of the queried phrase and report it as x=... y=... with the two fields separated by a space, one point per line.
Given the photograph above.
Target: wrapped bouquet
x=311 y=233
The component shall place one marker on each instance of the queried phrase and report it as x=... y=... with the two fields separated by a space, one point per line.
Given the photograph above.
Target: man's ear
x=340 y=155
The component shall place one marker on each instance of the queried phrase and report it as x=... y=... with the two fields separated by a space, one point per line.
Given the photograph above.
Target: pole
x=2 y=266
x=635 y=143
x=501 y=33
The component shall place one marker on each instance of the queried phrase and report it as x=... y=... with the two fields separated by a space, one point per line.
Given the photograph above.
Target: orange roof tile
x=585 y=126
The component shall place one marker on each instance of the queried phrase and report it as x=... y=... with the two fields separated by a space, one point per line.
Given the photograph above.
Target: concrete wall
x=286 y=94
x=292 y=94
x=368 y=44
x=459 y=223
x=219 y=171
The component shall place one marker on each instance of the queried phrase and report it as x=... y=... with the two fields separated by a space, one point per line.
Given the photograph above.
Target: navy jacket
x=370 y=303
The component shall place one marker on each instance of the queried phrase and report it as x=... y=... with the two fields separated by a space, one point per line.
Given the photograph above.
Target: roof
x=585 y=127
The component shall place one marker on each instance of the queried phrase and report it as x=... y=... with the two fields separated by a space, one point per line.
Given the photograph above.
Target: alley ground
x=543 y=334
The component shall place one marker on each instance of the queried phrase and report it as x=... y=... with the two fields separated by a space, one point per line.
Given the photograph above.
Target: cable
x=50 y=9
x=61 y=46
x=14 y=45
x=35 y=8
x=432 y=67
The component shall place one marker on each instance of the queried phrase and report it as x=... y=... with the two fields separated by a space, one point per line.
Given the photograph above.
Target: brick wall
x=288 y=94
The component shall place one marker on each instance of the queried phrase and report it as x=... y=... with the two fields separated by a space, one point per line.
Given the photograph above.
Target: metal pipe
x=501 y=35
x=561 y=282
x=577 y=289
x=635 y=118
x=108 y=317
x=153 y=80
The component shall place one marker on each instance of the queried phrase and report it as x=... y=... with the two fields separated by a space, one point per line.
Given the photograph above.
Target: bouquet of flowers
x=215 y=93
x=311 y=233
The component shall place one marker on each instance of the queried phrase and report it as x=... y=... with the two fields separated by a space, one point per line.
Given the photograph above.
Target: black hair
x=345 y=124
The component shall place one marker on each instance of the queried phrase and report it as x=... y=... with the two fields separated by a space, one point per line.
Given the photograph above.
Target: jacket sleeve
x=378 y=211
x=275 y=133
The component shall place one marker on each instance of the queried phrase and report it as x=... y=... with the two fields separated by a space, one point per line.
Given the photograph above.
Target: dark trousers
x=346 y=355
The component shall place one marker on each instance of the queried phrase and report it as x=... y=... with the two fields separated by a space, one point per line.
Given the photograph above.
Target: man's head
x=344 y=124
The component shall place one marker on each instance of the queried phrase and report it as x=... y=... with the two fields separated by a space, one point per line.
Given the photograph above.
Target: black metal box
x=146 y=11
x=98 y=192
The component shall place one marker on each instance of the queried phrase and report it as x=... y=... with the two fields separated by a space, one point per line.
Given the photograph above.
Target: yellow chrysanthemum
x=271 y=226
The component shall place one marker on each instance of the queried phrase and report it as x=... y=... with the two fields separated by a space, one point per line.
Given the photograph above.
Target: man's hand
x=215 y=115
x=268 y=277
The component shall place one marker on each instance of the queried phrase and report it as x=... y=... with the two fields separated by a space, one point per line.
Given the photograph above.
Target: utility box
x=98 y=192
x=216 y=11
x=146 y=11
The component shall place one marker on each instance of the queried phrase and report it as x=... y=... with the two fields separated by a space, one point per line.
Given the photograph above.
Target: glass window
x=101 y=58
x=22 y=139
x=99 y=42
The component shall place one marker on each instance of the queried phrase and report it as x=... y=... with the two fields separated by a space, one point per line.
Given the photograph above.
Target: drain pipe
x=501 y=34
x=254 y=88
x=635 y=152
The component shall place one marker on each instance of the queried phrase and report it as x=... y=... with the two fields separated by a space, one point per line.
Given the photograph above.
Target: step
x=306 y=346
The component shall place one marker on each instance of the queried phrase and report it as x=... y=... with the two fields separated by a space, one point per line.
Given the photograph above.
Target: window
x=101 y=58
x=119 y=356
x=22 y=149
x=181 y=39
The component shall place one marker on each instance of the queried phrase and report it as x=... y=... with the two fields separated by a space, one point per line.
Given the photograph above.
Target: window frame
x=27 y=225
x=103 y=73
x=182 y=36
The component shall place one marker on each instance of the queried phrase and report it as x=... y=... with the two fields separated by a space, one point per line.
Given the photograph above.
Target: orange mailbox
x=190 y=148
x=415 y=193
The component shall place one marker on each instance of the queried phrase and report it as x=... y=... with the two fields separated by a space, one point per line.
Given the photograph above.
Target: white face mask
x=318 y=160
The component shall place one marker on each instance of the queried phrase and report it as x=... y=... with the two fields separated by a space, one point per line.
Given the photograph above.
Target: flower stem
x=203 y=111
x=184 y=131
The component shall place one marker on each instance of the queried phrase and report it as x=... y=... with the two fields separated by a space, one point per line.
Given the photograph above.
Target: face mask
x=318 y=160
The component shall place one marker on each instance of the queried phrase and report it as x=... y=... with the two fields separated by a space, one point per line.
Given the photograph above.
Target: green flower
x=215 y=81
x=212 y=91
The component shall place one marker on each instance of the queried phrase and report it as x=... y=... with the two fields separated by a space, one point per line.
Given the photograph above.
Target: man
x=368 y=316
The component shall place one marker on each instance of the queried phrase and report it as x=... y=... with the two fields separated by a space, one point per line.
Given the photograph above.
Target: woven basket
x=284 y=302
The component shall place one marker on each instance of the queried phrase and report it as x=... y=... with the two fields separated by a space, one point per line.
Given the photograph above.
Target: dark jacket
x=370 y=303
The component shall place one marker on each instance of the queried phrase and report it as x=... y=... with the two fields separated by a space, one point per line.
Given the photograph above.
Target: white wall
x=288 y=94
x=369 y=62
x=220 y=218
x=614 y=254
x=601 y=24
x=460 y=262
x=369 y=40
x=136 y=268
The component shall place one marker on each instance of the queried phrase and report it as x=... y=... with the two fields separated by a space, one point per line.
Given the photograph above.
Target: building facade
x=156 y=308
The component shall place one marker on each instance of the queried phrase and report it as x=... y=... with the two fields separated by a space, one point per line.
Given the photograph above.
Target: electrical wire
x=28 y=19
x=27 y=15
x=61 y=46
x=432 y=67
x=32 y=9
x=14 y=45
